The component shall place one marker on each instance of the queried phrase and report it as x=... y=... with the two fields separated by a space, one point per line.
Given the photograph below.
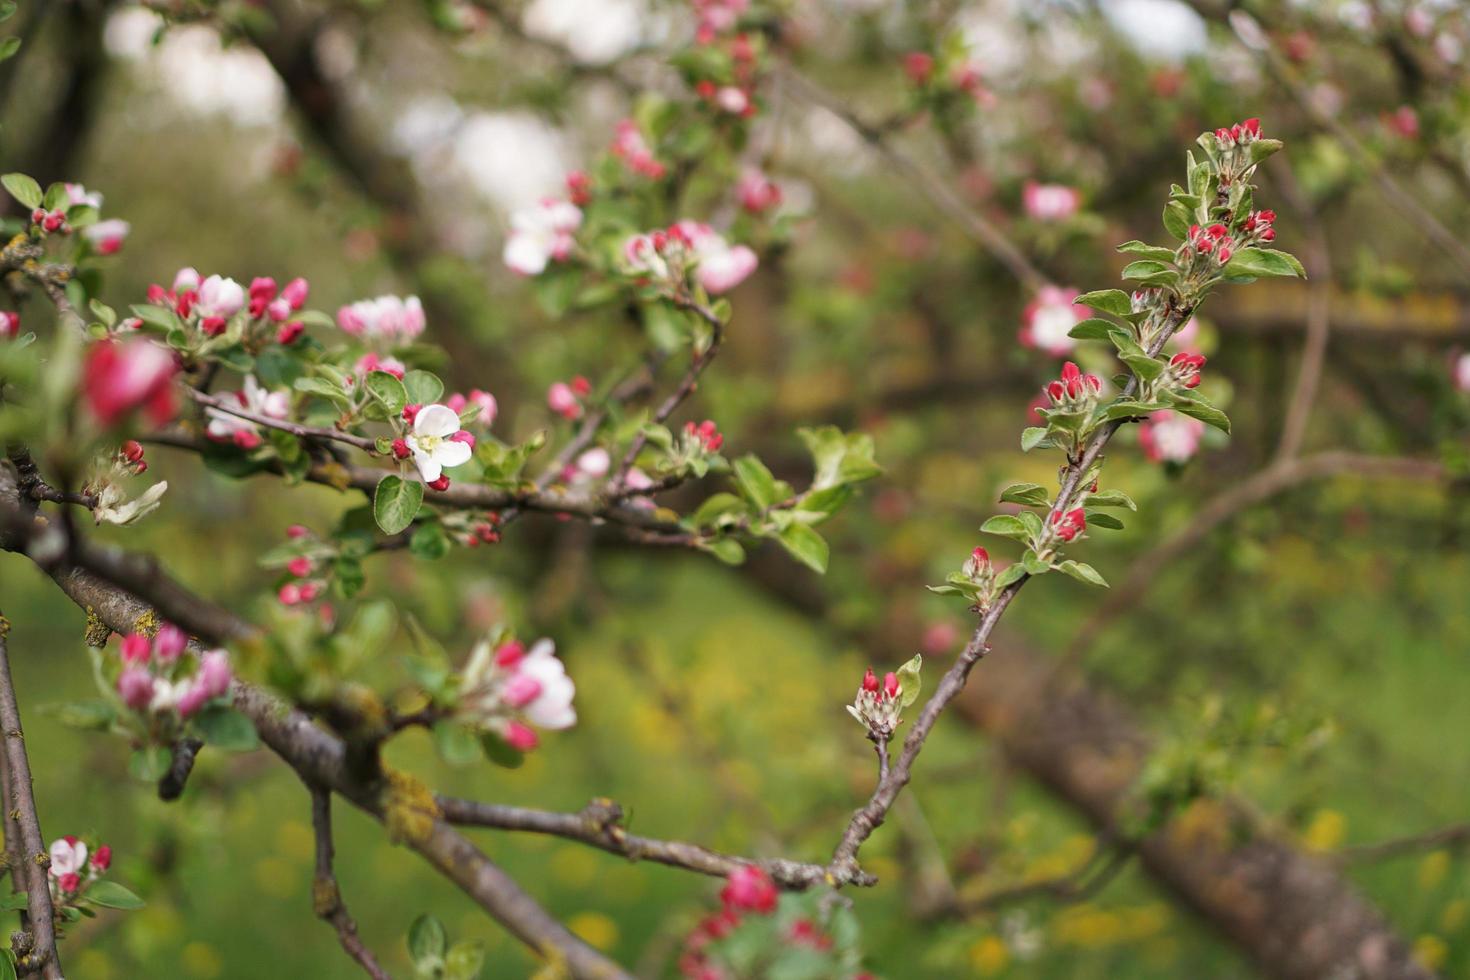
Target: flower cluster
x=878 y=705
x=630 y=147
x=541 y=234
x=717 y=17
x=747 y=889
x=391 y=319
x=1069 y=525
x=1049 y=318
x=1074 y=391
x=1213 y=241
x=566 y=398
x=1184 y=370
x=1233 y=149
x=505 y=689
x=252 y=398
x=74 y=866
x=666 y=256
x=706 y=436
x=152 y=677
x=209 y=306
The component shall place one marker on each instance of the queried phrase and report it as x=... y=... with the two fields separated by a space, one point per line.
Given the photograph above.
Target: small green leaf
x=1126 y=410
x=111 y=895
x=1027 y=494
x=806 y=546
x=90 y=715
x=396 y=502
x=1102 y=519
x=1113 y=301
x=1111 y=498
x=1033 y=564
x=1262 y=148
x=429 y=541
x=1147 y=368
x=1147 y=270
x=727 y=550
x=1031 y=437
x=1093 y=328
x=1007 y=526
x=1177 y=219
x=1011 y=575
x=422 y=388
x=24 y=189
x=1255 y=263
x=465 y=960
x=14 y=903
x=150 y=763
x=1208 y=414
x=909 y=681
x=457 y=745
x=1156 y=252
x=388 y=390
x=1082 y=572
x=225 y=728
x=501 y=752
x=756 y=482
x=426 y=941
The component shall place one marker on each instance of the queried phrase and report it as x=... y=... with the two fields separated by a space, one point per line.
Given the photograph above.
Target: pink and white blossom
x=433 y=443
x=757 y=192
x=630 y=146
x=219 y=297
x=107 y=236
x=119 y=377
x=722 y=266
x=1462 y=372
x=1050 y=202
x=1048 y=319
x=254 y=399
x=68 y=856
x=552 y=707
x=77 y=194
x=384 y=317
x=540 y=234
x=1170 y=437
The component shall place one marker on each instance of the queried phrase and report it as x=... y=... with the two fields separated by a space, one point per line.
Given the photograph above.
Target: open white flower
x=433 y=444
x=254 y=399
x=539 y=234
x=552 y=708
x=68 y=856
x=220 y=297
x=114 y=507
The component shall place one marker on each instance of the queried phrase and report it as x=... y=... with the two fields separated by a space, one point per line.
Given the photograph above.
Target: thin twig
x=369 y=446
x=1452 y=837
x=326 y=895
x=20 y=805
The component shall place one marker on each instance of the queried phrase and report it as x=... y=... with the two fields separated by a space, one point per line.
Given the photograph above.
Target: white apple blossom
x=552 y=708
x=540 y=234
x=722 y=266
x=388 y=317
x=107 y=236
x=220 y=297
x=254 y=399
x=1462 y=372
x=77 y=194
x=433 y=444
x=114 y=507
x=68 y=856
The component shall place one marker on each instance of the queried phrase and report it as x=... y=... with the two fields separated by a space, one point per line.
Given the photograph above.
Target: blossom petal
x=450 y=454
x=428 y=466
x=436 y=420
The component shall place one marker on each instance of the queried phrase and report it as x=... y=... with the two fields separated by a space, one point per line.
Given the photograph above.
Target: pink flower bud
x=456 y=403
x=278 y=309
x=102 y=858
x=310 y=590
x=290 y=332
x=464 y=437
x=581 y=387
x=262 y=286
x=192 y=700
x=9 y=324
x=440 y=484
x=296 y=531
x=69 y=882
x=521 y=690
x=918 y=66
x=870 y=682
x=509 y=653
x=411 y=412
x=300 y=566
x=749 y=889
x=289 y=594
x=401 y=450
x=214 y=673
x=980 y=556
x=1070 y=524
x=890 y=685
x=246 y=439
x=212 y=326
x=520 y=737
x=136 y=649
x=562 y=401
x=295 y=293
x=169 y=643
x=135 y=687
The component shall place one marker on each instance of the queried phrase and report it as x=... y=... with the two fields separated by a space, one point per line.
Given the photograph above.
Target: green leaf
x=396 y=502
x=388 y=390
x=1156 y=252
x=909 y=681
x=1113 y=301
x=429 y=541
x=1208 y=414
x=426 y=941
x=90 y=715
x=1255 y=263
x=500 y=752
x=1102 y=519
x=1262 y=148
x=1033 y=564
x=324 y=388
x=1092 y=328
x=717 y=507
x=465 y=960
x=24 y=189
x=1147 y=368
x=422 y=388
x=1010 y=575
x=1031 y=437
x=1007 y=526
x=225 y=728
x=839 y=457
x=457 y=745
x=1177 y=219
x=1146 y=270
x=14 y=903
x=1027 y=494
x=727 y=550
x=1111 y=498
x=1127 y=410
x=756 y=482
x=111 y=895
x=806 y=546
x=1082 y=572
x=150 y=763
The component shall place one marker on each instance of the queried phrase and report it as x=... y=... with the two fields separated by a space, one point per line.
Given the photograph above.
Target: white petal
x=436 y=420
x=526 y=253
x=450 y=454
x=429 y=467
